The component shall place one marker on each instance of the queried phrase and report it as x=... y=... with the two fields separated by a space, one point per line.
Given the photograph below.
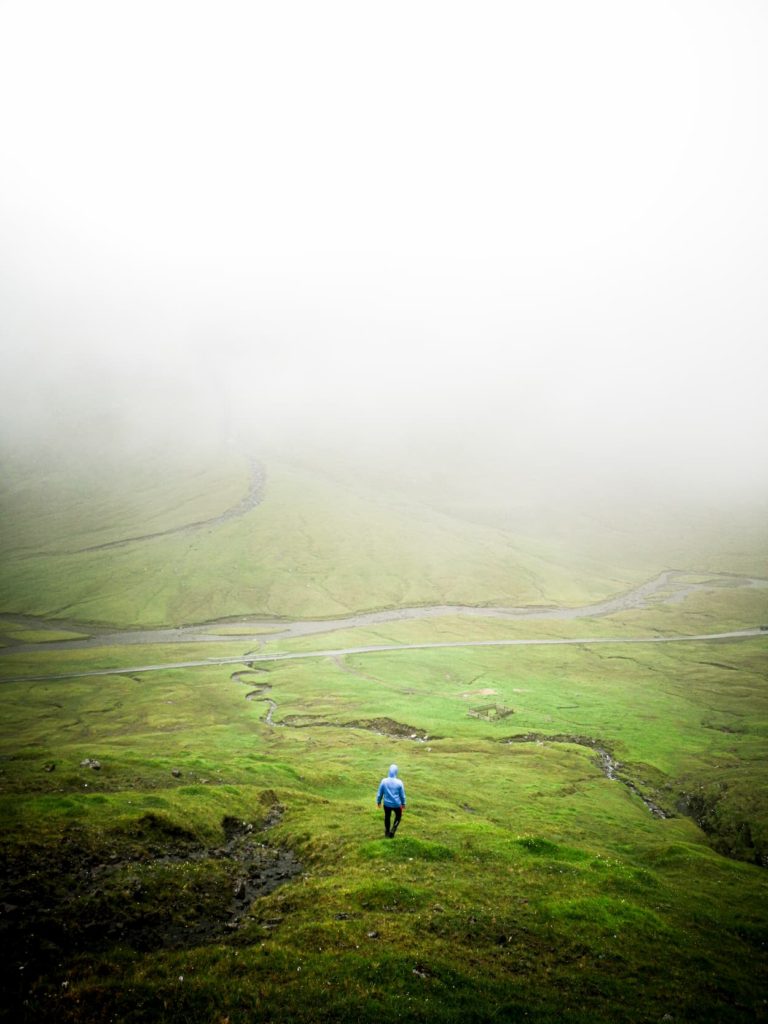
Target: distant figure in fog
x=392 y=792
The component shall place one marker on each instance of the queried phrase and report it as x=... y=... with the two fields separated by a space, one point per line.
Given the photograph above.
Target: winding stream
x=608 y=764
x=668 y=587
x=251 y=500
x=672 y=586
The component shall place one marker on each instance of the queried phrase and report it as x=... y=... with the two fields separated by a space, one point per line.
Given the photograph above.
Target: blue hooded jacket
x=392 y=790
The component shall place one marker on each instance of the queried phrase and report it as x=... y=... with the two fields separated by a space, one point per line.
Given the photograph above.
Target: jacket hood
x=393 y=771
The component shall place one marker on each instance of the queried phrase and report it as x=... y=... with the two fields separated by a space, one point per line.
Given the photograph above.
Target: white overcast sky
x=543 y=220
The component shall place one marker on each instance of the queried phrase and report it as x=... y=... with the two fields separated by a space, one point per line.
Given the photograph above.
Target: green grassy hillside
x=311 y=547
x=523 y=883
x=586 y=836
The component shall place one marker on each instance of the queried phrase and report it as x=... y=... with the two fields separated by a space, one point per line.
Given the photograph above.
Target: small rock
x=90 y=762
x=176 y=773
x=49 y=766
x=373 y=935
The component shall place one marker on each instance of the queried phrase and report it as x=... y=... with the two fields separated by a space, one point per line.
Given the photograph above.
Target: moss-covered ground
x=202 y=844
x=523 y=882
x=312 y=546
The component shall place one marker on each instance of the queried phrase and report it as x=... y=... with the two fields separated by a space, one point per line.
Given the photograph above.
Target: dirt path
x=667 y=588
x=140 y=888
x=738 y=634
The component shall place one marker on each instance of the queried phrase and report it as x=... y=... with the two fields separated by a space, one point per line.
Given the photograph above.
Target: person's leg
x=398 y=815
x=387 y=819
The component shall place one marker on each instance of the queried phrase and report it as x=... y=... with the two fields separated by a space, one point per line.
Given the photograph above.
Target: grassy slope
x=636 y=528
x=312 y=548
x=523 y=885
x=522 y=880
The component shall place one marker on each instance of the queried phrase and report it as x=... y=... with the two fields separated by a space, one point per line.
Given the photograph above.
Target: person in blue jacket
x=392 y=792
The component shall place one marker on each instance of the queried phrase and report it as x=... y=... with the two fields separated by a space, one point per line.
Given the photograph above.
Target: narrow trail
x=738 y=634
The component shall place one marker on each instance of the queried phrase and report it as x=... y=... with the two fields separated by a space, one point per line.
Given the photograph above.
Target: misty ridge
x=467 y=432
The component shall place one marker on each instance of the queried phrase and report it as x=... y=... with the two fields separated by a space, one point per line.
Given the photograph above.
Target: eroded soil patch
x=490 y=712
x=381 y=726
x=151 y=887
x=728 y=812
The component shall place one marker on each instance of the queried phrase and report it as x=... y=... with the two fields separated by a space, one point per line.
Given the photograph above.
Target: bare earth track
x=668 y=587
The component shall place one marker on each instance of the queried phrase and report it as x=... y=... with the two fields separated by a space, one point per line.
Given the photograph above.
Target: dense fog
x=502 y=238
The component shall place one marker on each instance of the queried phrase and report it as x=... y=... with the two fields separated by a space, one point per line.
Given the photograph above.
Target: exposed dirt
x=491 y=712
x=727 y=819
x=381 y=726
x=663 y=589
x=151 y=885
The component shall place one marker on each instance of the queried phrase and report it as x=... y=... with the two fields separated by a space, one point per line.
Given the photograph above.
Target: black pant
x=398 y=812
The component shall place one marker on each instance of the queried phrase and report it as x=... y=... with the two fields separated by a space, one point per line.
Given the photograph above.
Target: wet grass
x=39 y=636
x=523 y=883
x=313 y=547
